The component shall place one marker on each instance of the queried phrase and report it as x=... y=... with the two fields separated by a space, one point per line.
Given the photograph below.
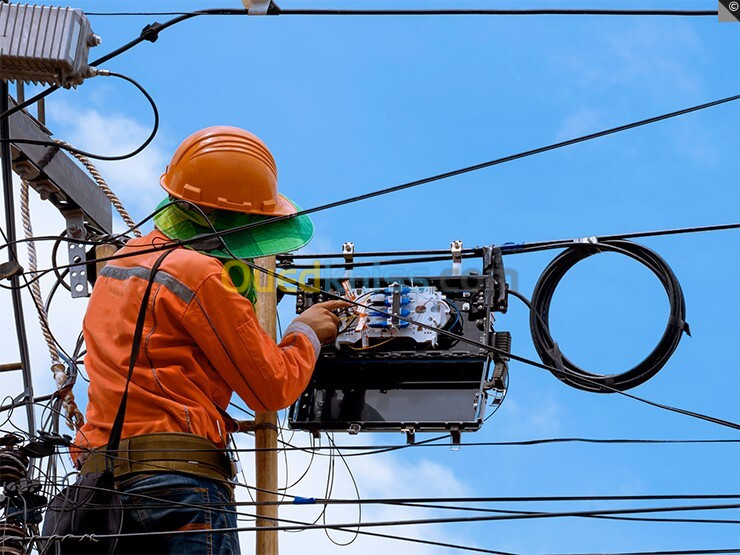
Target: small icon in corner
x=728 y=11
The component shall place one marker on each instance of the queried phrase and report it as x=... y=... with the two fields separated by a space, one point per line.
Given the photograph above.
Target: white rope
x=114 y=200
x=72 y=413
x=32 y=268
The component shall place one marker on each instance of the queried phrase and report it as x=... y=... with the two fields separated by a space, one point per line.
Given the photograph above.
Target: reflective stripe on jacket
x=201 y=343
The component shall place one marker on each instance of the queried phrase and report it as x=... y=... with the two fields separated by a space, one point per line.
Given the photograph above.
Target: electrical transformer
x=398 y=363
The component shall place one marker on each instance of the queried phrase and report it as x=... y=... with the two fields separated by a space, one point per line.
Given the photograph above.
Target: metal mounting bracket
x=78 y=272
x=348 y=250
x=455 y=436
x=456 y=250
x=410 y=435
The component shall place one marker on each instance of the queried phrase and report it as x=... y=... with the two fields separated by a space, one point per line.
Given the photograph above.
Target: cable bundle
x=547 y=348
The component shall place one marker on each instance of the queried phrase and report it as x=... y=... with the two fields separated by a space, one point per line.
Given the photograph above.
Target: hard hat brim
x=264 y=240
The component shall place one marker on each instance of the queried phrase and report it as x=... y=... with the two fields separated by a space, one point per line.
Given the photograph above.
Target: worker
x=201 y=343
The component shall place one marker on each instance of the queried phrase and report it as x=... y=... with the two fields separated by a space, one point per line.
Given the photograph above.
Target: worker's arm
x=267 y=376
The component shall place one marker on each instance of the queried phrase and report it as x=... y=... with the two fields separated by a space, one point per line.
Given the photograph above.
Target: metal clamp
x=348 y=251
x=260 y=7
x=456 y=250
x=77 y=257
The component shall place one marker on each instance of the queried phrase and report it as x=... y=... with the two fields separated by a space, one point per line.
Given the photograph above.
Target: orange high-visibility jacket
x=201 y=342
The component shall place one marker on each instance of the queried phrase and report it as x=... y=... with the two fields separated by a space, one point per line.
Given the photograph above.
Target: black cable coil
x=548 y=349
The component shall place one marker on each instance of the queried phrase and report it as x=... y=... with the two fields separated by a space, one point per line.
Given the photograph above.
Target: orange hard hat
x=226 y=168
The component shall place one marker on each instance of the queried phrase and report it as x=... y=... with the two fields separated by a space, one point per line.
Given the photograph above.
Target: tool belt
x=165 y=452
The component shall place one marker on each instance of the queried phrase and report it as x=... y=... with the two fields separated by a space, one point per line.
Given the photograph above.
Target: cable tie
x=557 y=358
x=675 y=322
x=304 y=501
x=587 y=240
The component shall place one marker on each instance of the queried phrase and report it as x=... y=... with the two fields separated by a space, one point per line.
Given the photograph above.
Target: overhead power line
x=426 y=521
x=435 y=442
x=506 y=247
x=475 y=167
x=434 y=12
x=426 y=180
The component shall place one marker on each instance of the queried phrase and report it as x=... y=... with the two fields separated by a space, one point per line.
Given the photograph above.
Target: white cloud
x=538 y=415
x=377 y=476
x=585 y=120
x=135 y=180
x=644 y=55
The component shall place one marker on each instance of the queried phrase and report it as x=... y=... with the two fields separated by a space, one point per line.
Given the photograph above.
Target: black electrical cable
x=556 y=370
x=547 y=348
x=325 y=527
x=55 y=265
x=469 y=169
x=474 y=11
x=474 y=251
x=424 y=521
x=681 y=552
x=489 y=348
x=560 y=370
x=149 y=139
x=453 y=173
x=28 y=102
x=437 y=12
x=388 y=262
x=433 y=442
x=507 y=248
x=149 y=33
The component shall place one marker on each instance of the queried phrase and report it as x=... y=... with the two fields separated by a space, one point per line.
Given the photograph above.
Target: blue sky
x=348 y=105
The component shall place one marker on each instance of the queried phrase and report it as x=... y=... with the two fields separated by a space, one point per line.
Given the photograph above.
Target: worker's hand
x=322 y=320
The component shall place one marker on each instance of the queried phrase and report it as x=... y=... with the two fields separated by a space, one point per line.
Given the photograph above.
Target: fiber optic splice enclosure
x=399 y=383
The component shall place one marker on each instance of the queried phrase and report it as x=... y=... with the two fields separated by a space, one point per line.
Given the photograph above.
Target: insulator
x=13 y=466
x=12 y=538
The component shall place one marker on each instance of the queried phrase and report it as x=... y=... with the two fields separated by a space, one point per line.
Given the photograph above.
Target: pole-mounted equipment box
x=44 y=44
x=387 y=374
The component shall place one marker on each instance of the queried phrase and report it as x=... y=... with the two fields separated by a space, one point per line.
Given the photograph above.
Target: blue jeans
x=212 y=512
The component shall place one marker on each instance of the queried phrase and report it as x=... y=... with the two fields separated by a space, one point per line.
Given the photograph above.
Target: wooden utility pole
x=103 y=251
x=265 y=436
